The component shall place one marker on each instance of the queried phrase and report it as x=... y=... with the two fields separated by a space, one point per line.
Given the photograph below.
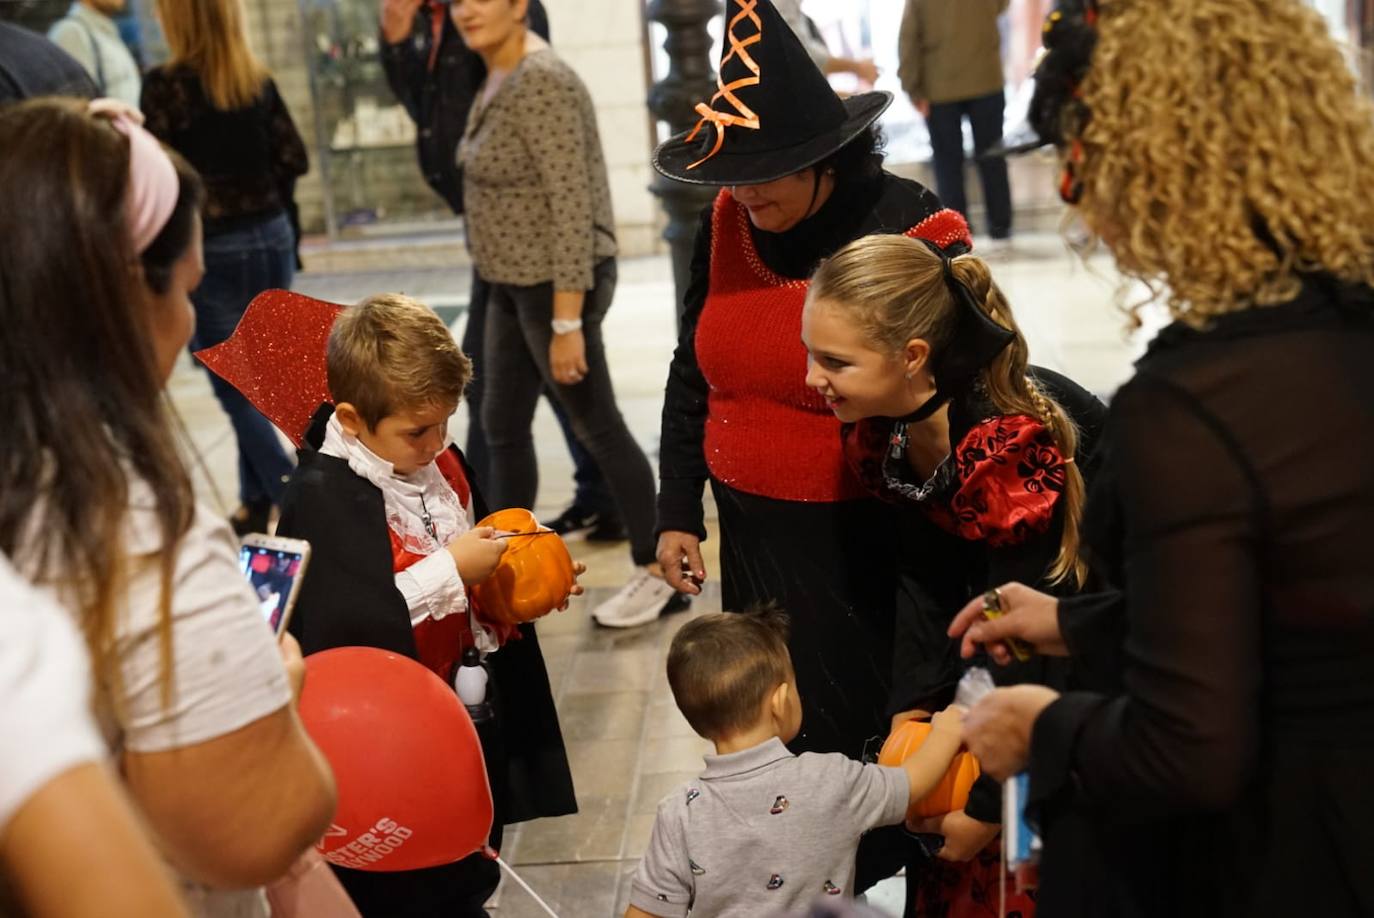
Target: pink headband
x=153 y=184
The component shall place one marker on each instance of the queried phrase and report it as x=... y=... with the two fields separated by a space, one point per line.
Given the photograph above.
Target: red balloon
x=413 y=788
x=261 y=563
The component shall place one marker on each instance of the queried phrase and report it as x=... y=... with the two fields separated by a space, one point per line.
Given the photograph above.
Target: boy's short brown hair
x=722 y=665
x=391 y=353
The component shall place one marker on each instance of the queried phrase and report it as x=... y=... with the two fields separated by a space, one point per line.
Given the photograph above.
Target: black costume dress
x=831 y=565
x=958 y=514
x=349 y=598
x=991 y=513
x=1224 y=769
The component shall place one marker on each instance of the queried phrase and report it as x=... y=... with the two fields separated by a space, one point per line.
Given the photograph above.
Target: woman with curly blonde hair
x=1223 y=152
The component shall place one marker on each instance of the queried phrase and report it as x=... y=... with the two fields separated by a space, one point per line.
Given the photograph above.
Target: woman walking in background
x=542 y=233
x=217 y=105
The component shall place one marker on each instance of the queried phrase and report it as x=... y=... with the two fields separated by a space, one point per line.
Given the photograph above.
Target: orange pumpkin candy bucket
x=535 y=573
x=951 y=794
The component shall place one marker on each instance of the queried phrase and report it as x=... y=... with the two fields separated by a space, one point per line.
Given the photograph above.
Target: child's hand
x=964 y=836
x=476 y=552
x=950 y=720
x=578 y=570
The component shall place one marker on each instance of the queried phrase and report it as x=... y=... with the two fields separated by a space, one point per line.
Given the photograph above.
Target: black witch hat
x=774 y=113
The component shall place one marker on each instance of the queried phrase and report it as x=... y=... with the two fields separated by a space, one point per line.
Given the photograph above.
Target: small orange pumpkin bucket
x=951 y=794
x=535 y=573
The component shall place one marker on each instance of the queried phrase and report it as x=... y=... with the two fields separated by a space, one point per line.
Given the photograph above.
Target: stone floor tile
x=623 y=670
x=585 y=890
x=638 y=828
x=665 y=720
x=622 y=894
x=571 y=621
x=594 y=833
x=602 y=716
x=603 y=767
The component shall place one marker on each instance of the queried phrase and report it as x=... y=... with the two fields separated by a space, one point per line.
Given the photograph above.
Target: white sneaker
x=993 y=248
x=638 y=602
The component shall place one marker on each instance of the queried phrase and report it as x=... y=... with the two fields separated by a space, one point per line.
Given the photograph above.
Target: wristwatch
x=566 y=326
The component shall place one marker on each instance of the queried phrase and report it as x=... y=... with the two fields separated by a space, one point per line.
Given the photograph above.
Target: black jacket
x=438 y=98
x=940 y=572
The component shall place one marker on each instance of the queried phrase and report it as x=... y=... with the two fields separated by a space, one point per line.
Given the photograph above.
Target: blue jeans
x=240 y=263
x=946 y=124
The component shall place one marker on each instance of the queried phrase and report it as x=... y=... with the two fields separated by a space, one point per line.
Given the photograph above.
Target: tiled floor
x=627 y=743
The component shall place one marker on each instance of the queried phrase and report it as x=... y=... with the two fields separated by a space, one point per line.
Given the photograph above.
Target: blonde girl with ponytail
x=920 y=357
x=903 y=310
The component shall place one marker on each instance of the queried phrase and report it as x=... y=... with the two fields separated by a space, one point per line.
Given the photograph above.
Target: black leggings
x=516 y=354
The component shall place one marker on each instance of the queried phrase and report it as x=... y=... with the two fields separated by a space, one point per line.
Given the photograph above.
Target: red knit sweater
x=767 y=432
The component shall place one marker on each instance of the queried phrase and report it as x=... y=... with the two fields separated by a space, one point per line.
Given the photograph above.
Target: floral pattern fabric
x=999 y=484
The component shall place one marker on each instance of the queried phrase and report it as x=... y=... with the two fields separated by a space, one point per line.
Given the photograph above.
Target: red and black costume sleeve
x=993 y=513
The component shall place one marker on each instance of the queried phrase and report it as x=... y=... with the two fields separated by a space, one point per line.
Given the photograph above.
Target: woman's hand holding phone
x=290 y=650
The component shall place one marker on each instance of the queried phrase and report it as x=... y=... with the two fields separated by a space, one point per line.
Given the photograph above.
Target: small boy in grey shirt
x=763 y=831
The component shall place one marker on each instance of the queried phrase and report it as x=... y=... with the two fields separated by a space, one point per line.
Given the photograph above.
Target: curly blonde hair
x=1214 y=123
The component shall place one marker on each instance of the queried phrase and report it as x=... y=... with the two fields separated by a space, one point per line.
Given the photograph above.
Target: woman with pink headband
x=97 y=511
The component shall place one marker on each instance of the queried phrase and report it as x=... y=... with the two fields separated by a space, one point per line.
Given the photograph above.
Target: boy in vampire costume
x=388 y=508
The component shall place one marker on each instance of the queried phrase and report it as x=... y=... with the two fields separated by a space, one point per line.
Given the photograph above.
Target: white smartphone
x=275 y=568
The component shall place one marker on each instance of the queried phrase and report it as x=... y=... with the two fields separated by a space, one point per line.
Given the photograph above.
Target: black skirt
x=833 y=568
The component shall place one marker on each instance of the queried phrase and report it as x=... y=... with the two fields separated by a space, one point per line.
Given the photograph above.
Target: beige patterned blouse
x=534 y=179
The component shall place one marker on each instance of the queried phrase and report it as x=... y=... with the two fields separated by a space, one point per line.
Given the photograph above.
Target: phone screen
x=272 y=573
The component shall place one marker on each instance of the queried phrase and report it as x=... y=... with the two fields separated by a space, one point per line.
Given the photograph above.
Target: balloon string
x=526 y=887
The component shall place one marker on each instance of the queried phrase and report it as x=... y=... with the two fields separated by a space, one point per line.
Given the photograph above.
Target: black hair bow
x=976 y=342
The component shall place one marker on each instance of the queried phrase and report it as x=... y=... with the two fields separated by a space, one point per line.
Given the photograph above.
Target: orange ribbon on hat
x=746 y=117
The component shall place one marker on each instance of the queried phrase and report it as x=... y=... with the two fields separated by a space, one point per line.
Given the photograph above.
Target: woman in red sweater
x=804 y=177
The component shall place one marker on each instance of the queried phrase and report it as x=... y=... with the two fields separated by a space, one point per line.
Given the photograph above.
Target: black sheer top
x=1235 y=508
x=248 y=157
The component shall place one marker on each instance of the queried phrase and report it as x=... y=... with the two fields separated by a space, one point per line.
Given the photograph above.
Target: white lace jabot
x=412 y=501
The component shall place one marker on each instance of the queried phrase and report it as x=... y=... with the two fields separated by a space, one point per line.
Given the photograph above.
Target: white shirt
x=45 y=679
x=94 y=41
x=424 y=513
x=226 y=670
